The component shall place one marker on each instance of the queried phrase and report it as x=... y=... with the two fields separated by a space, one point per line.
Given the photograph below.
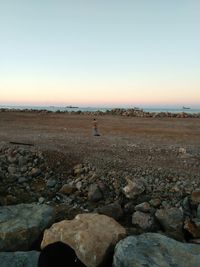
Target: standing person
x=95 y=129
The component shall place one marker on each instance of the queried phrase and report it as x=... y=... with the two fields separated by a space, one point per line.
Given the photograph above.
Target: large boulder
x=19 y=259
x=151 y=249
x=21 y=225
x=92 y=236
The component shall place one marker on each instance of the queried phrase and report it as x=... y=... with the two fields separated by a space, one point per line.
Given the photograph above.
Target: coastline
x=127 y=112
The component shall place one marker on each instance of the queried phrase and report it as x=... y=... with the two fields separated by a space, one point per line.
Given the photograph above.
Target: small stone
x=41 y=200
x=195 y=196
x=35 y=172
x=67 y=189
x=79 y=185
x=144 y=207
x=155 y=202
x=94 y=193
x=21 y=180
x=113 y=210
x=144 y=220
x=133 y=188
x=51 y=183
x=12 y=169
x=192 y=228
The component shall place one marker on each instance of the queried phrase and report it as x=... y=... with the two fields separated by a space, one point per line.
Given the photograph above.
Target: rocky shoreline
x=146 y=200
x=115 y=112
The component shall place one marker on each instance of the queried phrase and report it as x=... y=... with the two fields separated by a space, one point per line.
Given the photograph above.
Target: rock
x=133 y=188
x=92 y=236
x=67 y=189
x=21 y=225
x=155 y=202
x=22 y=180
x=79 y=185
x=143 y=220
x=35 y=172
x=155 y=250
x=193 y=227
x=182 y=150
x=195 y=196
x=144 y=207
x=51 y=183
x=113 y=210
x=41 y=200
x=172 y=222
x=10 y=200
x=19 y=259
x=12 y=169
x=78 y=169
x=94 y=193
x=186 y=206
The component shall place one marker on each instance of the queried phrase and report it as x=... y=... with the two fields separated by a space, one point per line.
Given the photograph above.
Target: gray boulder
x=21 y=225
x=171 y=221
x=19 y=259
x=155 y=250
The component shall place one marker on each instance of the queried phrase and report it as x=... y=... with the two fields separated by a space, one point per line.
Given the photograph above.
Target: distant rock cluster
x=148 y=212
x=132 y=112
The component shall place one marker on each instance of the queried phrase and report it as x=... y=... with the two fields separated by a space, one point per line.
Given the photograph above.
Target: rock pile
x=36 y=192
x=132 y=112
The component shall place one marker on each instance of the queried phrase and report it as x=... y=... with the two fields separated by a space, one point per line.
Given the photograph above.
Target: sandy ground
x=125 y=142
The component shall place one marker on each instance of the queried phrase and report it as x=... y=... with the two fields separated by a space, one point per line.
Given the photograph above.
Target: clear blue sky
x=105 y=52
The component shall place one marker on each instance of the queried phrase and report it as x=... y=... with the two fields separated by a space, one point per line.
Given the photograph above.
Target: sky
x=100 y=52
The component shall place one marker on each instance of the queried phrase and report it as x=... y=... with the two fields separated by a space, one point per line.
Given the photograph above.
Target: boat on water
x=186 y=107
x=71 y=107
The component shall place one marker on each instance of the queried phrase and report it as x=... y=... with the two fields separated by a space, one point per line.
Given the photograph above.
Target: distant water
x=92 y=109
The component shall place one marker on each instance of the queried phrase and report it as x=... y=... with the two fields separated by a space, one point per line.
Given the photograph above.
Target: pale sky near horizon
x=100 y=52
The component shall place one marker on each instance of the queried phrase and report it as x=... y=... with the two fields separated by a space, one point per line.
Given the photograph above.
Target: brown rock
x=195 y=196
x=92 y=236
x=192 y=228
x=67 y=189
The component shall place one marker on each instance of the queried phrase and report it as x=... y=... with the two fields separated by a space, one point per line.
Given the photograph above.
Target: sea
x=104 y=109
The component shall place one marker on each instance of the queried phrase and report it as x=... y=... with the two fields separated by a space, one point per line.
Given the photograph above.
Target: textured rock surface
x=133 y=188
x=19 y=259
x=172 y=221
x=92 y=236
x=21 y=225
x=155 y=250
x=143 y=220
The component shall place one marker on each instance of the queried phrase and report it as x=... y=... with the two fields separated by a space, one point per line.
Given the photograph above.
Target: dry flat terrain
x=163 y=153
x=124 y=142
